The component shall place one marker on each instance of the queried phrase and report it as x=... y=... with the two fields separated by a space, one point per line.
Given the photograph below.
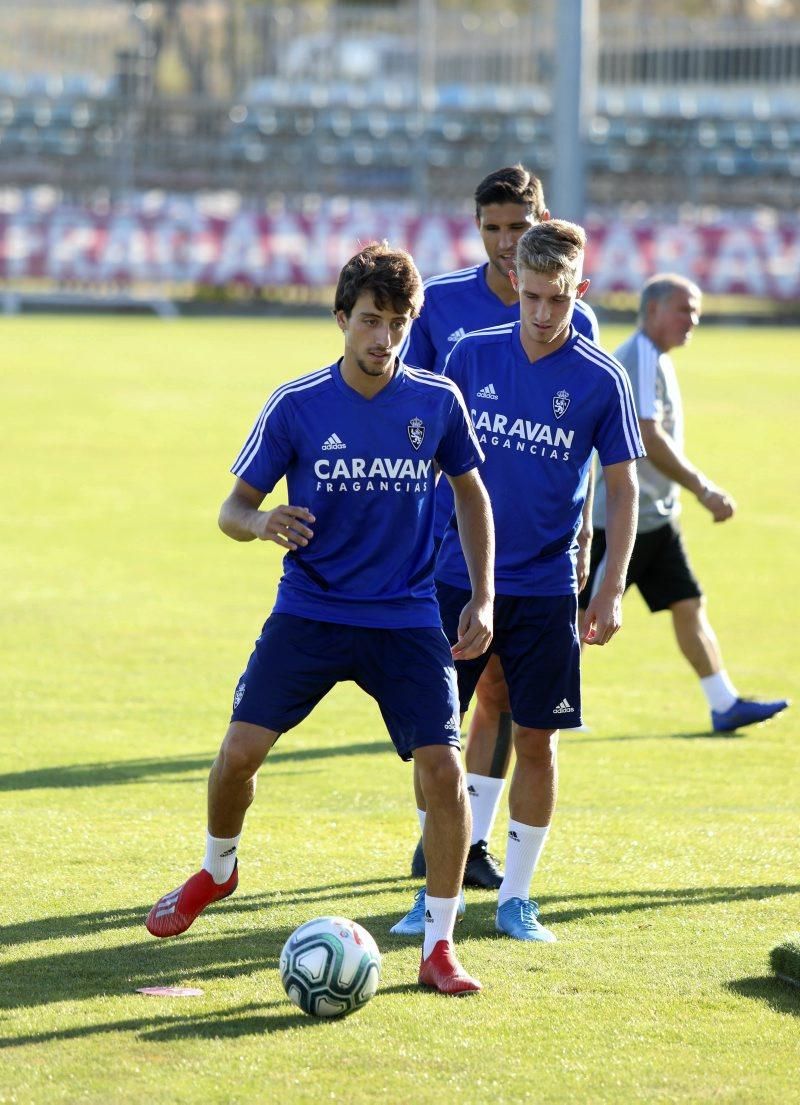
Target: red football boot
x=172 y=914
x=444 y=973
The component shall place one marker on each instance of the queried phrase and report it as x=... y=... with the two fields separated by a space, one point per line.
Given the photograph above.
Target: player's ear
x=582 y=288
x=512 y=276
x=341 y=320
x=546 y=216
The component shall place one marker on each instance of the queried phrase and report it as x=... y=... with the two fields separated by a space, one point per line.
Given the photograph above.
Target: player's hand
x=603 y=618
x=474 y=630
x=286 y=526
x=719 y=503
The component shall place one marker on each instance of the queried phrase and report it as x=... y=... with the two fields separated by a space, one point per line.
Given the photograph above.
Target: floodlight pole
x=574 y=86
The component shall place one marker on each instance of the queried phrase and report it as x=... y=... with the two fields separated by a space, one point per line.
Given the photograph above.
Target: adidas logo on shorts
x=488 y=392
x=564 y=707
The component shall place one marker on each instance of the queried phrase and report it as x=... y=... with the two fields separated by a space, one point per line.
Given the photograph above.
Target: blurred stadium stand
x=138 y=139
x=267 y=98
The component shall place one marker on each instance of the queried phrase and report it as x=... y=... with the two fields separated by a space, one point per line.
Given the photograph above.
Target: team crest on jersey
x=416 y=432
x=560 y=403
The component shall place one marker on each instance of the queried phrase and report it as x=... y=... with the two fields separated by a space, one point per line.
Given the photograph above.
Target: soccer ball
x=330 y=966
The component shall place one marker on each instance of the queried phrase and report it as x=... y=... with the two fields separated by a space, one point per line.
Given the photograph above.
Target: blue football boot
x=413 y=924
x=518 y=918
x=745 y=711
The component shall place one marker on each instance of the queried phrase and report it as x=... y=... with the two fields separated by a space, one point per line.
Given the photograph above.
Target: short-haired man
x=542 y=398
x=358 y=442
x=507 y=202
x=669 y=310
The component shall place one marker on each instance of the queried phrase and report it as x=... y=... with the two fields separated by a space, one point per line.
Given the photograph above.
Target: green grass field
x=672 y=869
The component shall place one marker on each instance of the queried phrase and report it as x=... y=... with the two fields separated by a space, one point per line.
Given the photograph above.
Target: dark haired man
x=669 y=310
x=507 y=202
x=358 y=442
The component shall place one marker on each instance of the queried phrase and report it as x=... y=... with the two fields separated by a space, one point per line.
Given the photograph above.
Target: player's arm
x=241 y=519
x=586 y=533
x=476 y=531
x=664 y=455
x=604 y=613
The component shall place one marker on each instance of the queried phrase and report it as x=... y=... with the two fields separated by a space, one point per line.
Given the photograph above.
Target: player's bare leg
x=488 y=753
x=698 y=643
x=440 y=781
x=531 y=803
x=232 y=779
x=488 y=750
x=231 y=789
x=696 y=639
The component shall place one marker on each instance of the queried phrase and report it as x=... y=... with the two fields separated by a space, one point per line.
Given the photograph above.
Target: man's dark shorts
x=409 y=673
x=659 y=567
x=536 y=640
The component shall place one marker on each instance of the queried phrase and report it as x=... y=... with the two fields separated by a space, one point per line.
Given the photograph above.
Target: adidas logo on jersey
x=333 y=442
x=564 y=708
x=488 y=392
x=457 y=335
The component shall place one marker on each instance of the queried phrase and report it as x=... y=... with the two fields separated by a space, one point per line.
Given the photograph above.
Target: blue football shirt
x=538 y=424
x=456 y=303
x=365 y=470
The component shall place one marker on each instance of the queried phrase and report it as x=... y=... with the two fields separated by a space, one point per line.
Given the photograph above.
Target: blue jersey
x=365 y=470
x=538 y=424
x=456 y=303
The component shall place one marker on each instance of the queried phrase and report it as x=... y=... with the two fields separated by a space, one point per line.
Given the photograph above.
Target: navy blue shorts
x=536 y=641
x=409 y=673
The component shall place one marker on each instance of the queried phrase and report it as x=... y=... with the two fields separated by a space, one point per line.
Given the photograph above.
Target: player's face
x=545 y=310
x=671 y=320
x=372 y=338
x=501 y=225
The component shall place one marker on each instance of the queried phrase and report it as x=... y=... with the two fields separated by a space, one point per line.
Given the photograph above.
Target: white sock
x=421 y=816
x=220 y=856
x=440 y=920
x=719 y=691
x=484 y=798
x=525 y=843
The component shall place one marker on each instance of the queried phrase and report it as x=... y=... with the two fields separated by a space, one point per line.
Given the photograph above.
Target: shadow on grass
x=780 y=996
x=255 y=1019
x=702 y=734
x=115 y=772
x=479 y=918
x=190 y=960
x=91 y=971
x=91 y=924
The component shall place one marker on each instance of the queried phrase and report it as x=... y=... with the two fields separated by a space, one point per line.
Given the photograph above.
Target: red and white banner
x=173 y=241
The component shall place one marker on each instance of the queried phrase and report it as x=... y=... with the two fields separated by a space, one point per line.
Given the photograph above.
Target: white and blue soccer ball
x=330 y=966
